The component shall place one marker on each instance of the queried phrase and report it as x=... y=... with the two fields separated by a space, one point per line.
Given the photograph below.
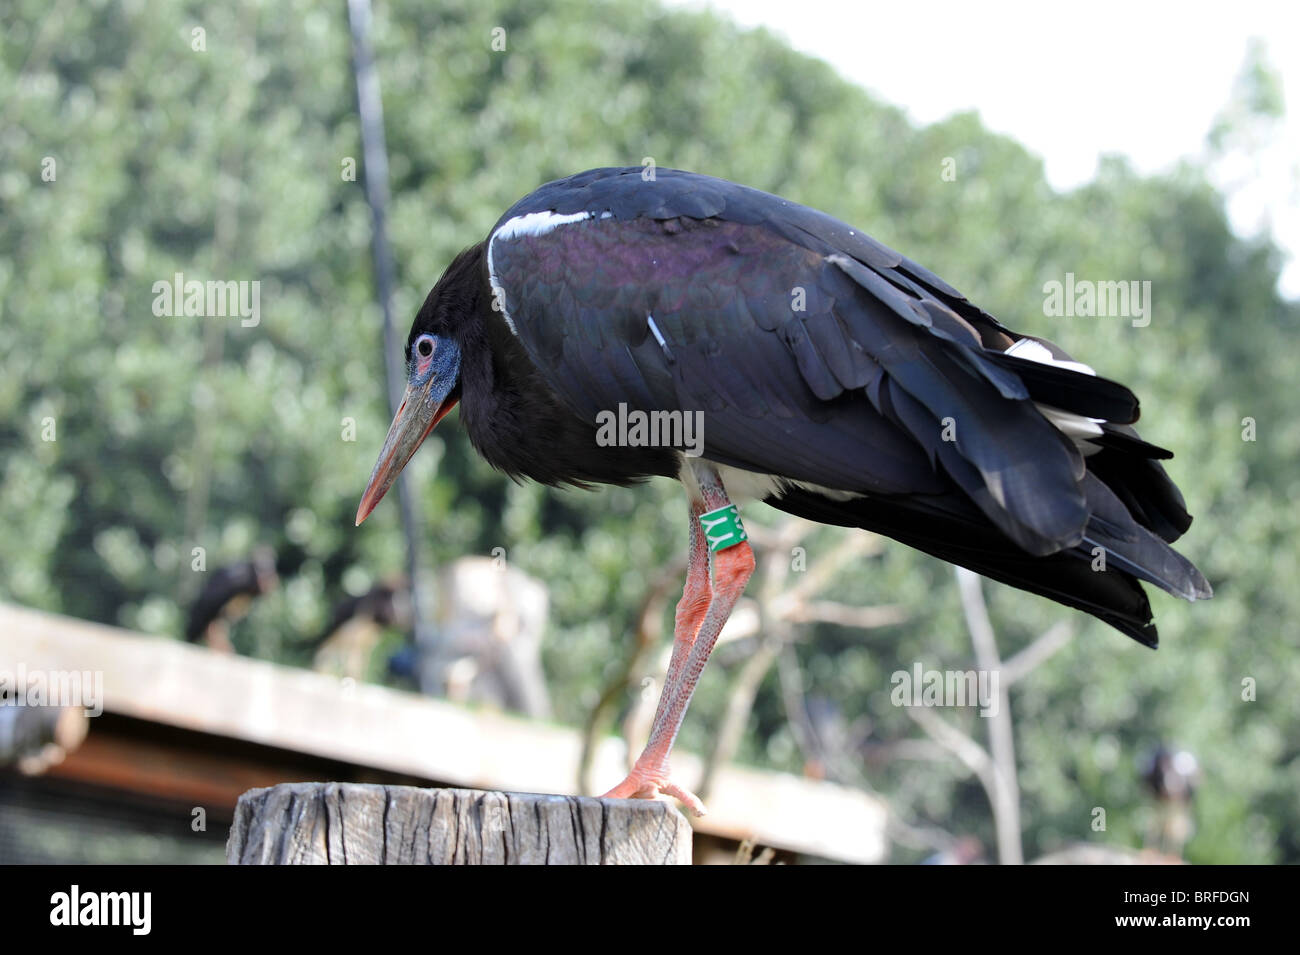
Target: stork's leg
x=696 y=597
x=701 y=615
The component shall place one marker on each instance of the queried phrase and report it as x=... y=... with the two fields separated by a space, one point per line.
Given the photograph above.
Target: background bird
x=484 y=645
x=1171 y=776
x=833 y=378
x=226 y=597
x=357 y=625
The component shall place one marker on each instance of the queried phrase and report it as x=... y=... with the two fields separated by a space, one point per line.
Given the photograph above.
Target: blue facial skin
x=436 y=359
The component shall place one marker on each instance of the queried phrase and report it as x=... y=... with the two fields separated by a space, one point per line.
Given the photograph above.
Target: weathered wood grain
x=354 y=824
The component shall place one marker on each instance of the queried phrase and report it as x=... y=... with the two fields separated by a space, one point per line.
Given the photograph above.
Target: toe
x=685 y=797
x=637 y=786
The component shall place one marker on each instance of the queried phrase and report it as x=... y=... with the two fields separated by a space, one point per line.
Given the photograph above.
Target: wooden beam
x=173 y=683
x=164 y=770
x=351 y=824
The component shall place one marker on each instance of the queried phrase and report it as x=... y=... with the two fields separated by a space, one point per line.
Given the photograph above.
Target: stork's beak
x=419 y=412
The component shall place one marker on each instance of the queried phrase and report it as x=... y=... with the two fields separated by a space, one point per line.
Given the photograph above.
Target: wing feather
x=816 y=352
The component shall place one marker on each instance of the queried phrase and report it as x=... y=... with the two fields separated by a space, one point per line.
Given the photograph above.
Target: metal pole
x=374 y=153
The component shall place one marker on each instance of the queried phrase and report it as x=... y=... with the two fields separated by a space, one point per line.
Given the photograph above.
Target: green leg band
x=722 y=528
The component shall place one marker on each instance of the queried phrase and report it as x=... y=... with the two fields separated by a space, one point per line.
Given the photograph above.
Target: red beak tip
x=363 y=511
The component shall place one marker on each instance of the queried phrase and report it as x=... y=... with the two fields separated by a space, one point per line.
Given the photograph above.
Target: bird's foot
x=643 y=783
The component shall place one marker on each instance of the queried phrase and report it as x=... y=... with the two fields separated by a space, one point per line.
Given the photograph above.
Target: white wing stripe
x=533 y=223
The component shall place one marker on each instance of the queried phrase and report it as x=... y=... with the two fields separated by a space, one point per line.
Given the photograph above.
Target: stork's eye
x=424 y=346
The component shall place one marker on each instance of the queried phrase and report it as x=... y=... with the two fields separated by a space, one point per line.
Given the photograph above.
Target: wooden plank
x=214 y=781
x=352 y=824
x=173 y=683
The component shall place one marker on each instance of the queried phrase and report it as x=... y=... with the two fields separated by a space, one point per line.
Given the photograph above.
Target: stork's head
x=433 y=360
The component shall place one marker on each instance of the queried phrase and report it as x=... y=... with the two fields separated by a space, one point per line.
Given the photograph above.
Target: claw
x=641 y=784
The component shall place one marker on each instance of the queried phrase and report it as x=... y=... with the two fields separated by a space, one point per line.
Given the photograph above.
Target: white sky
x=1070 y=83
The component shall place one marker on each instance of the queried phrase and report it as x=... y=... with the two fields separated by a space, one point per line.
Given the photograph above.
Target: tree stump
x=354 y=824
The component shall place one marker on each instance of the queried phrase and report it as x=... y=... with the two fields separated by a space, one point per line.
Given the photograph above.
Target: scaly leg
x=701 y=615
x=696 y=597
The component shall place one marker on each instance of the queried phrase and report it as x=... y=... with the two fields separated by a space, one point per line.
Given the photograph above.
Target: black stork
x=226 y=598
x=835 y=379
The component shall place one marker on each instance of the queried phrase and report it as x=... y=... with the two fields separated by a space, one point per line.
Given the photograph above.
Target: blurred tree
x=145 y=140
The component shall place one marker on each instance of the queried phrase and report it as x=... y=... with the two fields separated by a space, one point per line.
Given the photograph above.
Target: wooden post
x=354 y=824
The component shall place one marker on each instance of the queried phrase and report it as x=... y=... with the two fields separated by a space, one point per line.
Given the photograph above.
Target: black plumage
x=829 y=375
x=513 y=415
x=871 y=390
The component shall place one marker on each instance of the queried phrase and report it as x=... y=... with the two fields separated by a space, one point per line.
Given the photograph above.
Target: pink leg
x=696 y=597
x=700 y=618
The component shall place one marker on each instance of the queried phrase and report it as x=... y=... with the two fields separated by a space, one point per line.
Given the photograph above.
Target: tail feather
x=1137 y=550
x=1088 y=395
x=951 y=528
x=1128 y=467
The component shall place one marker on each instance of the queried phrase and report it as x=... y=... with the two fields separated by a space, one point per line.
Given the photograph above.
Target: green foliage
x=227 y=163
